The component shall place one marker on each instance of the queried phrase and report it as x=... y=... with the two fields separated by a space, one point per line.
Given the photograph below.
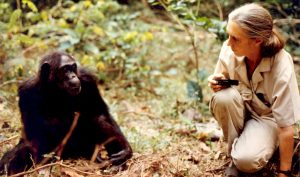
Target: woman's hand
x=213 y=84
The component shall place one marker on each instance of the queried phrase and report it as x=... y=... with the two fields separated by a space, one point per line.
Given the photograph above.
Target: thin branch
x=95 y=154
x=140 y=113
x=192 y=36
x=198 y=7
x=175 y=17
x=98 y=147
x=10 y=82
x=36 y=169
x=18 y=4
x=293 y=22
x=284 y=21
x=50 y=165
x=8 y=139
x=59 y=149
x=145 y=3
x=279 y=8
x=221 y=15
x=221 y=167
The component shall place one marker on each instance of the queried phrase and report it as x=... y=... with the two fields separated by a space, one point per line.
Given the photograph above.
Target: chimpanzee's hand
x=118 y=158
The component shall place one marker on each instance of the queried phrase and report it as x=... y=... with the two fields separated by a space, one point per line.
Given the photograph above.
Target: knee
x=249 y=164
x=226 y=97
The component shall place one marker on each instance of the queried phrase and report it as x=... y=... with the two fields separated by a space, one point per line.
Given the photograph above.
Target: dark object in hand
x=227 y=82
x=49 y=103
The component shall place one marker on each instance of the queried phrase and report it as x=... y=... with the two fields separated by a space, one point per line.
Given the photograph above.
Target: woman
x=259 y=114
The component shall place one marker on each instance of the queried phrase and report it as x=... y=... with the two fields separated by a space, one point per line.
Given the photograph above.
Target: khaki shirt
x=272 y=92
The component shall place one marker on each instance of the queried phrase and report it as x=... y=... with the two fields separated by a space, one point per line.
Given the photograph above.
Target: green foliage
x=188 y=12
x=96 y=32
x=194 y=90
x=99 y=34
x=30 y=5
x=14 y=21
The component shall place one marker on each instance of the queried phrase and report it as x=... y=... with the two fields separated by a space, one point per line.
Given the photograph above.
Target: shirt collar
x=263 y=66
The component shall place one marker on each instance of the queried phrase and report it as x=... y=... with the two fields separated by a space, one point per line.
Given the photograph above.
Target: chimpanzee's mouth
x=74 y=90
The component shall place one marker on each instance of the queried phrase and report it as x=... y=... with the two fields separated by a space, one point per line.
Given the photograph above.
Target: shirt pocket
x=260 y=102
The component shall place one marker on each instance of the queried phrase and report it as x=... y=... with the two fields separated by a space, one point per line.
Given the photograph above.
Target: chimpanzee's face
x=67 y=76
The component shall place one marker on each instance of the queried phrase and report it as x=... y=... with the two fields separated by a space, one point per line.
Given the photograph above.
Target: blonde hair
x=257 y=22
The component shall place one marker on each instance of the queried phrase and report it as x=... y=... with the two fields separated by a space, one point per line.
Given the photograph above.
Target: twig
x=18 y=4
x=95 y=154
x=293 y=22
x=219 y=168
x=10 y=82
x=97 y=147
x=145 y=3
x=59 y=149
x=36 y=169
x=52 y=164
x=140 y=113
x=279 y=8
x=221 y=16
x=83 y=172
x=8 y=139
x=285 y=21
x=191 y=35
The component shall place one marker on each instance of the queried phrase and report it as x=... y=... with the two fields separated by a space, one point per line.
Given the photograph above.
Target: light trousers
x=251 y=140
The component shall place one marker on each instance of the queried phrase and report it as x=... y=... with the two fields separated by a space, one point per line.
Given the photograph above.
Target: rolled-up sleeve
x=286 y=101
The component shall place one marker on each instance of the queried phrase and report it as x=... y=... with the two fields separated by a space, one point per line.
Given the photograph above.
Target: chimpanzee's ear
x=45 y=72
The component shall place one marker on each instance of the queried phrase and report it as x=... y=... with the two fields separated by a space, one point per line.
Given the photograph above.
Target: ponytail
x=273 y=45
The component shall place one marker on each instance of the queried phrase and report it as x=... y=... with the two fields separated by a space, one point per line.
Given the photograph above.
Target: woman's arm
x=286 y=147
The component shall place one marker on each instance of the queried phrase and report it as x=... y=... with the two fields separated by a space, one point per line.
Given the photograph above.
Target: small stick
x=52 y=164
x=218 y=168
x=59 y=149
x=96 y=151
x=8 y=139
x=97 y=147
x=36 y=169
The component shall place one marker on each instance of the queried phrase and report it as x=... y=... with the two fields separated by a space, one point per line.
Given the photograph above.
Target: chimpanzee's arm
x=117 y=146
x=119 y=149
x=34 y=123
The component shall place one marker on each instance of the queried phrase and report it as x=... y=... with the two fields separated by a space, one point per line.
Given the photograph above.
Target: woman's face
x=238 y=40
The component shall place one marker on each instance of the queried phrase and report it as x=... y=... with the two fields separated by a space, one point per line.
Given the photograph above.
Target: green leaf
x=194 y=90
x=202 y=74
x=72 y=37
x=65 y=45
x=15 y=17
x=26 y=39
x=30 y=5
x=91 y=48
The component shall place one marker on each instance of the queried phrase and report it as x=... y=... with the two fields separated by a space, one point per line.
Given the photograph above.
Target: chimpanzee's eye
x=65 y=69
x=74 y=67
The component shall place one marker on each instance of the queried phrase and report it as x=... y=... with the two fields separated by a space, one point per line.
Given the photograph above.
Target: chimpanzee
x=49 y=103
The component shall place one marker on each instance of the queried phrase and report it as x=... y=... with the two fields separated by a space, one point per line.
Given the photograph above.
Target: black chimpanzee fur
x=48 y=103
